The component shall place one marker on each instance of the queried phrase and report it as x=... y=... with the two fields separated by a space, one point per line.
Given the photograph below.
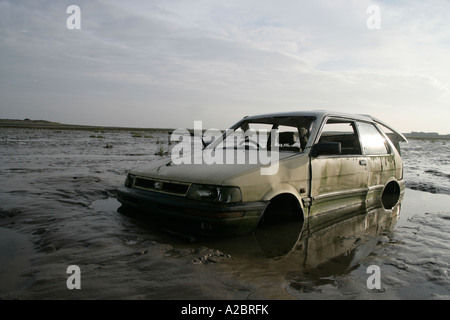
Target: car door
x=381 y=165
x=338 y=181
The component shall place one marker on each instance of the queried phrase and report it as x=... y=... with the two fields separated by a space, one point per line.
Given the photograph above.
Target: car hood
x=198 y=173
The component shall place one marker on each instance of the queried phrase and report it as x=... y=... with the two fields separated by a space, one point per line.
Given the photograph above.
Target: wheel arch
x=391 y=194
x=285 y=194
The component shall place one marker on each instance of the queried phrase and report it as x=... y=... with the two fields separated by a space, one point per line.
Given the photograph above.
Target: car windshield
x=288 y=134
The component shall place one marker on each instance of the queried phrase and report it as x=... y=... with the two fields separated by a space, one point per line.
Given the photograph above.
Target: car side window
x=343 y=131
x=372 y=140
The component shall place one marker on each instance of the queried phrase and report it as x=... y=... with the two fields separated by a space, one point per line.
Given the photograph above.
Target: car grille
x=161 y=186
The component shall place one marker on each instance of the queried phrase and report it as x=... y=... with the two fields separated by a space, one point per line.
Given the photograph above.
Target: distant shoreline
x=44 y=124
x=426 y=136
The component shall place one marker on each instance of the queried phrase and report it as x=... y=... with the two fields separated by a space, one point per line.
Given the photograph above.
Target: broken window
x=344 y=132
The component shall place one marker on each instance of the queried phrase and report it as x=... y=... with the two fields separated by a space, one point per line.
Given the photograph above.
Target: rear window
x=373 y=142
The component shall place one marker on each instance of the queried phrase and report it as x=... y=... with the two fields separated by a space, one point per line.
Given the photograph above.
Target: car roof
x=313 y=113
x=320 y=114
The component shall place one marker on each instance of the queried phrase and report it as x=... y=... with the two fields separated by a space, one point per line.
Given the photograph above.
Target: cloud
x=168 y=63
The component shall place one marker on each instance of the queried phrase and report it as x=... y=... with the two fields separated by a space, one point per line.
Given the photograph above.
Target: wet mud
x=58 y=208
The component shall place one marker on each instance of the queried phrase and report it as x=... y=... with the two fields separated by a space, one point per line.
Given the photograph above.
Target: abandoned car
x=266 y=167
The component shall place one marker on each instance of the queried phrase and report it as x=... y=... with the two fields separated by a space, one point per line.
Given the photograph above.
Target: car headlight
x=214 y=193
x=129 y=180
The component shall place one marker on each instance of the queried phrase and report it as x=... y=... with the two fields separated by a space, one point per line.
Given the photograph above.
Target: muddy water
x=58 y=208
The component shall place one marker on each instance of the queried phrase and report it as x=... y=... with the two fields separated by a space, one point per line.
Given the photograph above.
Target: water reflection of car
x=319 y=165
x=308 y=245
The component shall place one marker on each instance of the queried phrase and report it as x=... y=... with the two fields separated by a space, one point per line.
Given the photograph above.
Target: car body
x=322 y=165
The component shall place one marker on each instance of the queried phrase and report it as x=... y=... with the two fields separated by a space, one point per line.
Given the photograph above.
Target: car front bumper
x=180 y=214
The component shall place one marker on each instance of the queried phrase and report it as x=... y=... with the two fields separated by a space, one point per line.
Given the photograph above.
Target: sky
x=168 y=63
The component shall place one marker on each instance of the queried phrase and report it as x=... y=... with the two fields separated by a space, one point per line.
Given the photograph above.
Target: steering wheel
x=248 y=141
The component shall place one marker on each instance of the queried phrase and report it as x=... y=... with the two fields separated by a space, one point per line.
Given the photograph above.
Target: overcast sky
x=166 y=63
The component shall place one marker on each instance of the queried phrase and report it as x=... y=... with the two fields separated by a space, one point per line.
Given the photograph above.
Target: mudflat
x=58 y=208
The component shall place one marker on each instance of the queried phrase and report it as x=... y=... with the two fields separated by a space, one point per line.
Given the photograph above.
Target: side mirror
x=326 y=148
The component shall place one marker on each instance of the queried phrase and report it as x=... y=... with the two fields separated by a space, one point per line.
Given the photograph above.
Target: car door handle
x=362 y=162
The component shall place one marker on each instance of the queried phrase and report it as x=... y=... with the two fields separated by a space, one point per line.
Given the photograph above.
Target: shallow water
x=427 y=165
x=58 y=208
